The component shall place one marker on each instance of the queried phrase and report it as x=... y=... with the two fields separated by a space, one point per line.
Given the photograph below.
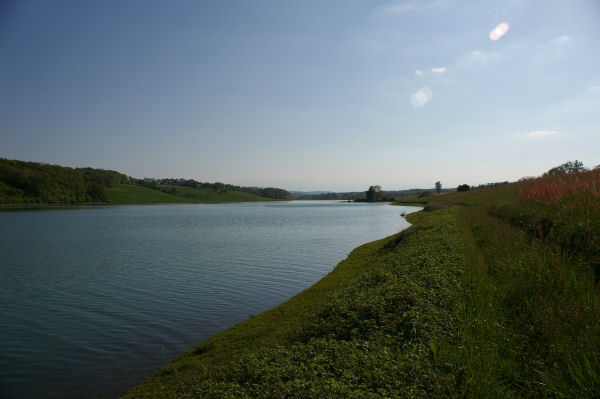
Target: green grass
x=468 y=302
x=130 y=193
x=529 y=316
x=206 y=195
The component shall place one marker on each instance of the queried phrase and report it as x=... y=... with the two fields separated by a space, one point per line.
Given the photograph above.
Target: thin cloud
x=542 y=133
x=475 y=57
x=438 y=70
x=553 y=50
x=396 y=9
x=580 y=105
x=371 y=45
x=418 y=72
x=594 y=90
x=564 y=39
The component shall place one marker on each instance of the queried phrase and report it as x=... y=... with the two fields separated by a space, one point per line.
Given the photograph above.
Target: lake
x=94 y=299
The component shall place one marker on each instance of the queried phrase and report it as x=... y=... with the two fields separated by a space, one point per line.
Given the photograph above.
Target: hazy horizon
x=306 y=96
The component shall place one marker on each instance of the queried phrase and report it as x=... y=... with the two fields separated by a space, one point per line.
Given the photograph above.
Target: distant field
x=123 y=193
x=129 y=193
x=211 y=196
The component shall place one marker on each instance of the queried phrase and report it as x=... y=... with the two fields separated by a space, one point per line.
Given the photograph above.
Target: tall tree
x=374 y=193
x=438 y=187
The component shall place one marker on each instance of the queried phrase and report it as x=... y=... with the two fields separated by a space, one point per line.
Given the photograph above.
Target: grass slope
x=471 y=301
x=211 y=196
x=129 y=193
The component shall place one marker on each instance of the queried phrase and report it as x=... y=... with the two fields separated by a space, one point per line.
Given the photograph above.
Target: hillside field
x=129 y=193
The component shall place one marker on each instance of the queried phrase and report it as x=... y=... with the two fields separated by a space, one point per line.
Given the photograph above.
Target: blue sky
x=331 y=95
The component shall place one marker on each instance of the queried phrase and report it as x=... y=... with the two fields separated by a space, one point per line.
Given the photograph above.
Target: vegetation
x=567 y=167
x=374 y=193
x=207 y=195
x=489 y=185
x=463 y=187
x=491 y=293
x=361 y=195
x=132 y=193
x=438 y=187
x=562 y=211
x=38 y=183
x=168 y=185
x=333 y=340
x=348 y=196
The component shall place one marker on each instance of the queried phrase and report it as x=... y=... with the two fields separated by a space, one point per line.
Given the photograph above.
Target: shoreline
x=270 y=328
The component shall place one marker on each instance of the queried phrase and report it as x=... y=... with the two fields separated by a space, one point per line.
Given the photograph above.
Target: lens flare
x=499 y=31
x=421 y=97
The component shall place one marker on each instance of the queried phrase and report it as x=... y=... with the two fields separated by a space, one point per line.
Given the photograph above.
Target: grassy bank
x=475 y=299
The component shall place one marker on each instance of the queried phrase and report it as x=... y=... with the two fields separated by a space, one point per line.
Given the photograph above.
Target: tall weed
x=563 y=211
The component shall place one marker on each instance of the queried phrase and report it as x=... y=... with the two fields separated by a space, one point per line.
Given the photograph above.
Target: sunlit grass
x=130 y=193
x=207 y=195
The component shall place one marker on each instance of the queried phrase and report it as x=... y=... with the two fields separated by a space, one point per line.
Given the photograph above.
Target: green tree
x=438 y=187
x=96 y=192
x=463 y=187
x=374 y=193
x=567 y=167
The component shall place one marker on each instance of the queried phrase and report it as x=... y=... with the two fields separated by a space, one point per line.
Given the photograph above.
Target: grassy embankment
x=491 y=293
x=129 y=193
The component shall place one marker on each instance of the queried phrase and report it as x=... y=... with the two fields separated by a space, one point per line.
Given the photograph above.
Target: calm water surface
x=94 y=299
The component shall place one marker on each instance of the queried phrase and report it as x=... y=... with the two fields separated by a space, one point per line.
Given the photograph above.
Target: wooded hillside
x=40 y=183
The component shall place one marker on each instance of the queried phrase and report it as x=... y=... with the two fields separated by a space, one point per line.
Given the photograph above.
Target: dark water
x=94 y=299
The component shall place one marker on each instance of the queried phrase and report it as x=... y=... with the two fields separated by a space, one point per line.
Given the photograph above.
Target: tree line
x=362 y=195
x=166 y=185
